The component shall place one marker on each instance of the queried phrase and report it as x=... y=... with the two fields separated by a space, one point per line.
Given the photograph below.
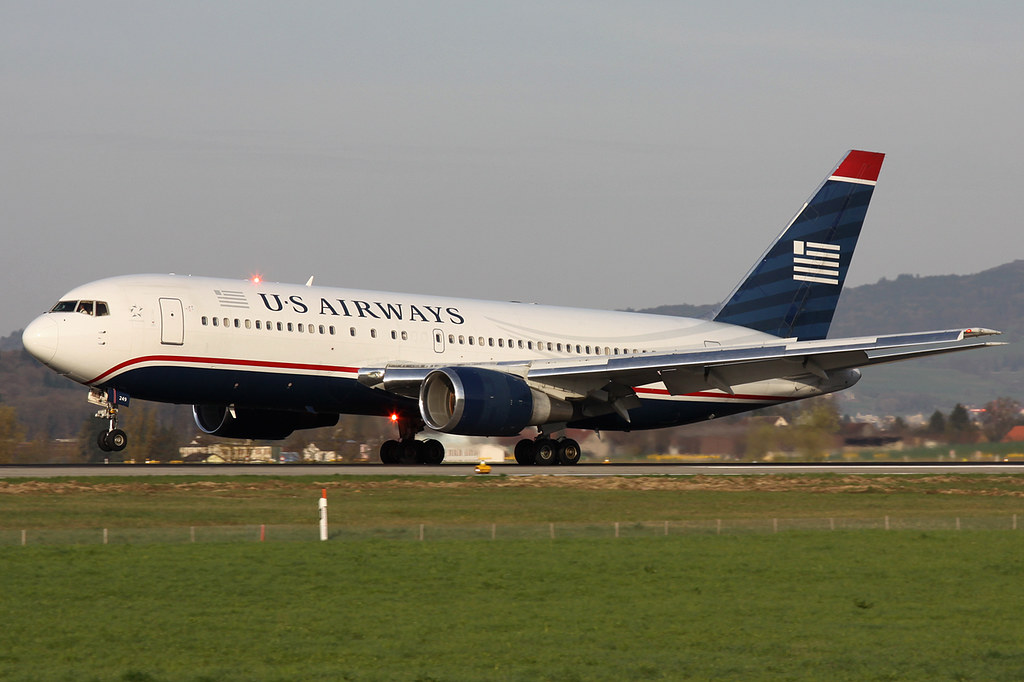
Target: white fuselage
x=201 y=340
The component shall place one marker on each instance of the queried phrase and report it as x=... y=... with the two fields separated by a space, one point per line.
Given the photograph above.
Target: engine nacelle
x=218 y=420
x=470 y=401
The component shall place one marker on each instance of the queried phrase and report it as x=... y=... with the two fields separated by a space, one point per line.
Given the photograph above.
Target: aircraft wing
x=722 y=368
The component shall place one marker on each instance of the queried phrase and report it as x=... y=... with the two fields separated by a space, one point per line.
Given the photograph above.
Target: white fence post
x=323 y=514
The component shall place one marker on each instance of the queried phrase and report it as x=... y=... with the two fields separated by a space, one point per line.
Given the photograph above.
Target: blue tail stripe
x=793 y=291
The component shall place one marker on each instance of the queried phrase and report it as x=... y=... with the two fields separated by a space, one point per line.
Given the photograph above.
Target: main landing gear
x=546 y=451
x=408 y=450
x=110 y=439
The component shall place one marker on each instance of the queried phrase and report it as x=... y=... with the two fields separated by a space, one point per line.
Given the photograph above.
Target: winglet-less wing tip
x=979 y=331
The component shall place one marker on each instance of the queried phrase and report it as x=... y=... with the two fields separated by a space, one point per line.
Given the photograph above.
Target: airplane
x=259 y=360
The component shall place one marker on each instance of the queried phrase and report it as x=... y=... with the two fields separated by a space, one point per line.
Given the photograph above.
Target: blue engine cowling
x=218 y=420
x=471 y=401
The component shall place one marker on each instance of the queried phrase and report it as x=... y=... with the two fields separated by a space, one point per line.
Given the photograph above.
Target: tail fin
x=793 y=290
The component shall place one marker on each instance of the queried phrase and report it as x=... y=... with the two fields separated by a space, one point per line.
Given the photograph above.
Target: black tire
x=117 y=440
x=545 y=452
x=431 y=451
x=390 y=452
x=568 y=451
x=101 y=441
x=525 y=452
x=409 y=452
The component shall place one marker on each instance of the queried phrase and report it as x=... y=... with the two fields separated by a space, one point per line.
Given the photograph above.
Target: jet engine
x=220 y=420
x=471 y=401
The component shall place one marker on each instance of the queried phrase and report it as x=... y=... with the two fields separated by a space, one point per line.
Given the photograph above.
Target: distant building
x=1015 y=435
x=225 y=453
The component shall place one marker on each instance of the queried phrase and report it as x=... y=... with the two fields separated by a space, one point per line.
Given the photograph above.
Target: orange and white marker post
x=323 y=514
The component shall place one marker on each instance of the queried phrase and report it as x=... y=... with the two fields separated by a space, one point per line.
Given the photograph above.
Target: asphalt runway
x=78 y=470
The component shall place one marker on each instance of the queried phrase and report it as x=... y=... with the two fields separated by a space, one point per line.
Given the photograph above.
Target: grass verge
x=863 y=605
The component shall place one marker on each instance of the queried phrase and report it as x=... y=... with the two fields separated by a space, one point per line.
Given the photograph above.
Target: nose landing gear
x=110 y=439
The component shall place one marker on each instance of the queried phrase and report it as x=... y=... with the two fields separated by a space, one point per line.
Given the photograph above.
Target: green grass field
x=843 y=605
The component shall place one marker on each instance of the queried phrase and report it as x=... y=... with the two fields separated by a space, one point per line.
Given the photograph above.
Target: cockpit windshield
x=92 y=308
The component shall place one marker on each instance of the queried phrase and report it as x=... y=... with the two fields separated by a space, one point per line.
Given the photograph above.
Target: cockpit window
x=97 y=308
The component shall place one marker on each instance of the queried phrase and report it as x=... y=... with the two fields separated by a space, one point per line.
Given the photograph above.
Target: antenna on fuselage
x=309 y=282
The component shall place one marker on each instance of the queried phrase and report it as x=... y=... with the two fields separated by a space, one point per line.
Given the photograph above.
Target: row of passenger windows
x=579 y=349
x=461 y=339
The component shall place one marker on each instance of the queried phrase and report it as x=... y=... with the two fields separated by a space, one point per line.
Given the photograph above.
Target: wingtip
x=974 y=332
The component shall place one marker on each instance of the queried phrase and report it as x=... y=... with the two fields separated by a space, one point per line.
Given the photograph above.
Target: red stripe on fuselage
x=224 y=361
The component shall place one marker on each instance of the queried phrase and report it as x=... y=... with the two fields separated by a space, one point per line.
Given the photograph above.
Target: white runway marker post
x=323 y=514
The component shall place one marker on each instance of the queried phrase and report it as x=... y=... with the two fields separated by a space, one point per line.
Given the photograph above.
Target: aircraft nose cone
x=40 y=338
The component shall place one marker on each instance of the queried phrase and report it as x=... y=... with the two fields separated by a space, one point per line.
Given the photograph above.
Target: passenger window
x=311 y=328
x=227 y=322
x=373 y=333
x=215 y=322
x=259 y=324
x=405 y=336
x=490 y=342
x=480 y=341
x=290 y=327
x=205 y=320
x=471 y=340
x=520 y=344
x=462 y=340
x=248 y=324
x=331 y=330
x=501 y=343
x=322 y=330
x=351 y=331
x=451 y=338
x=280 y=327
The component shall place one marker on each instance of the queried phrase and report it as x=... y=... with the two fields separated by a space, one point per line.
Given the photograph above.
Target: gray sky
x=593 y=154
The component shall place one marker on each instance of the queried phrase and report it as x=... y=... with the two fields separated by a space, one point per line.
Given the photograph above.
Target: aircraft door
x=172 y=322
x=438 y=341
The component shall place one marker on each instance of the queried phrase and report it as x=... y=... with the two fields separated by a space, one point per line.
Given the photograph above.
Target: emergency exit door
x=172 y=322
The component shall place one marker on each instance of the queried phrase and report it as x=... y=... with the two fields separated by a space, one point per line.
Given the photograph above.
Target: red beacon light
x=256 y=279
x=394 y=417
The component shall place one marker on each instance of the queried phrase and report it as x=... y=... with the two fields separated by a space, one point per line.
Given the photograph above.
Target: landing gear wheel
x=409 y=452
x=568 y=451
x=431 y=452
x=390 y=452
x=545 y=452
x=525 y=452
x=101 y=441
x=117 y=440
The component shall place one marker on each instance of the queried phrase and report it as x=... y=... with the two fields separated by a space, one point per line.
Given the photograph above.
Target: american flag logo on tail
x=815 y=262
